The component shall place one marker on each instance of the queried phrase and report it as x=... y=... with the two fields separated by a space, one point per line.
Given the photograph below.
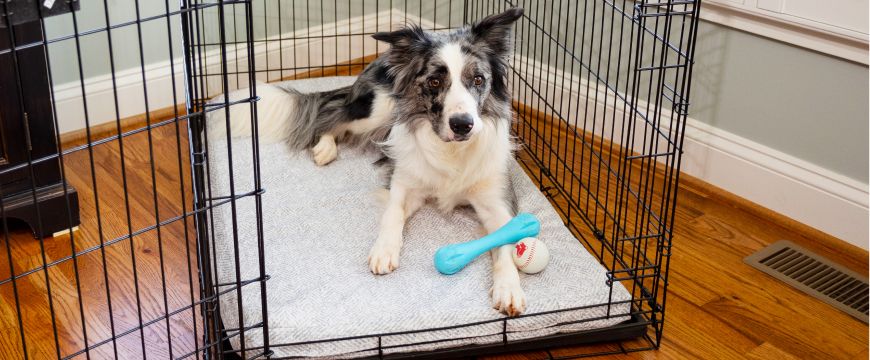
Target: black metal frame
x=618 y=97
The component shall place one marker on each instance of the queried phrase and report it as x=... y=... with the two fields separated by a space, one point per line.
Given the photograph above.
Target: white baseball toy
x=531 y=255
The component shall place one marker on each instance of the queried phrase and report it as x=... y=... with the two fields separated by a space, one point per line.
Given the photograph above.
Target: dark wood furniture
x=27 y=131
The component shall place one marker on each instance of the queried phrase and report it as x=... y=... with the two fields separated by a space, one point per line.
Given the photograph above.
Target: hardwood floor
x=717 y=307
x=163 y=248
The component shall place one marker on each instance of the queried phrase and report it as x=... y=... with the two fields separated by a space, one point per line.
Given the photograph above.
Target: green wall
x=806 y=104
x=94 y=48
x=156 y=43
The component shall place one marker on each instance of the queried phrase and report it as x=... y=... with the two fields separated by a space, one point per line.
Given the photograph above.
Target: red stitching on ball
x=531 y=254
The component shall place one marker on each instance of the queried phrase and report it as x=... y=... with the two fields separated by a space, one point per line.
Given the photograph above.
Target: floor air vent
x=832 y=283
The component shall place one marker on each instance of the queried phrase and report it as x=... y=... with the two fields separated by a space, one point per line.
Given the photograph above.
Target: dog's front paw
x=508 y=297
x=383 y=259
x=325 y=151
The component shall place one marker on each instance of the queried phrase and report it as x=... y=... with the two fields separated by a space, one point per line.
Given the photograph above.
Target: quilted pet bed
x=319 y=224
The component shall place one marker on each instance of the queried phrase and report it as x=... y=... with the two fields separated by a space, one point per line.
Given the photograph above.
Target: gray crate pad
x=319 y=224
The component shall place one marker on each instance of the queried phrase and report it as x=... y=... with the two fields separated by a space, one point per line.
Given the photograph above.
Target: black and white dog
x=439 y=107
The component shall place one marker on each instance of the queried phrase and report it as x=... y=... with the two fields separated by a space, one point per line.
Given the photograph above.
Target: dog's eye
x=435 y=82
x=478 y=80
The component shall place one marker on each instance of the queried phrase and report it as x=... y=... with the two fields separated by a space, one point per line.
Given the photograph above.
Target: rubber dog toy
x=451 y=258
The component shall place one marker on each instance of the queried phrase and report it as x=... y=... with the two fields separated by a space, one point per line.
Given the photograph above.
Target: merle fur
x=411 y=63
x=404 y=71
x=319 y=113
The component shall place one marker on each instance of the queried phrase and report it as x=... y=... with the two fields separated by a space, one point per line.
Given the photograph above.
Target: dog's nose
x=461 y=124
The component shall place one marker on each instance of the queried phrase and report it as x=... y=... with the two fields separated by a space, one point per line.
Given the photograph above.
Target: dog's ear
x=404 y=40
x=406 y=45
x=494 y=30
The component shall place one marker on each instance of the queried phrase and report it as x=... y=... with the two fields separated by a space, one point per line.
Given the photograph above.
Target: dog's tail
x=283 y=114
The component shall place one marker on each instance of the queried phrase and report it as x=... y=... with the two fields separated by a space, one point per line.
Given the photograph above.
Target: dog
x=438 y=106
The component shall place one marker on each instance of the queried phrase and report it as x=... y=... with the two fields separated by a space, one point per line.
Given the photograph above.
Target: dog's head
x=451 y=80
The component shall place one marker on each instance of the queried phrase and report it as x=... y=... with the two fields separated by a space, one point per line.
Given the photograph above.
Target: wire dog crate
x=600 y=88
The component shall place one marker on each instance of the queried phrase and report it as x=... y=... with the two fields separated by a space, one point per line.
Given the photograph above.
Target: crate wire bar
x=628 y=210
x=601 y=92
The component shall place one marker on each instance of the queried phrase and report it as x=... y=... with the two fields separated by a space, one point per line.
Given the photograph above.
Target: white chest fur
x=446 y=171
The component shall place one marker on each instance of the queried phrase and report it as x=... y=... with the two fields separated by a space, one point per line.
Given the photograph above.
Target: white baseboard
x=820 y=198
x=129 y=90
x=160 y=77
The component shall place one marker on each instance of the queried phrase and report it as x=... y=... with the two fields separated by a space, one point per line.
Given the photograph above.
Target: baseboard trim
x=804 y=193
x=108 y=99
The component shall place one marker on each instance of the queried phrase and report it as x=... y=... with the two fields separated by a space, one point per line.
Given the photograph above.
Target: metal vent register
x=827 y=281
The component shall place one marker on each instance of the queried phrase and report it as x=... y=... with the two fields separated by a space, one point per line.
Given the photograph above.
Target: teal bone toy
x=451 y=258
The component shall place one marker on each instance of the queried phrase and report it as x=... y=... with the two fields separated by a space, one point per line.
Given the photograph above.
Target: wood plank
x=11 y=344
x=767 y=351
x=524 y=355
x=707 y=337
x=863 y=355
x=785 y=331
